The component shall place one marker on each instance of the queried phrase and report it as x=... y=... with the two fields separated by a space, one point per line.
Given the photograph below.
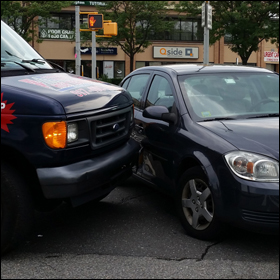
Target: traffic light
x=95 y=21
x=111 y=29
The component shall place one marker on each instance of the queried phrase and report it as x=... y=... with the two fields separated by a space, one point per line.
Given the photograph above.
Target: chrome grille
x=109 y=128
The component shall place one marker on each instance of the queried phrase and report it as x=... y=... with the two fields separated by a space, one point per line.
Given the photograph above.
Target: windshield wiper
x=43 y=61
x=19 y=63
x=36 y=60
x=24 y=66
x=218 y=119
x=56 y=65
x=265 y=116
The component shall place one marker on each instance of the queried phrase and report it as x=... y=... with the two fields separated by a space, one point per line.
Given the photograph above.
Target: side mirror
x=159 y=113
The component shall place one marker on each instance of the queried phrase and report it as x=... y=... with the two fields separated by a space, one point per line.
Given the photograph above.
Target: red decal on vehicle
x=6 y=114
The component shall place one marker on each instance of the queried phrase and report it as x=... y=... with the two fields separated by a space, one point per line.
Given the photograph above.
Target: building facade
x=59 y=46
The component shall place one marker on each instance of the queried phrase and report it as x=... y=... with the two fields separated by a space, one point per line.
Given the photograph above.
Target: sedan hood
x=74 y=93
x=255 y=135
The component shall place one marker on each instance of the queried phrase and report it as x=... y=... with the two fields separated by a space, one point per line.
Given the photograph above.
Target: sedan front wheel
x=196 y=206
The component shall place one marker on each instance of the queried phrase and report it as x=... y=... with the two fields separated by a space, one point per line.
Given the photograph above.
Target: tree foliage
x=136 y=21
x=20 y=15
x=246 y=23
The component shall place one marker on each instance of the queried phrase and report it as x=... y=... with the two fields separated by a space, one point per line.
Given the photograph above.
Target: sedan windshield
x=16 y=52
x=231 y=95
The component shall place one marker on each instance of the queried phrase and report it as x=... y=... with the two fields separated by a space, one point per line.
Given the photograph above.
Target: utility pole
x=206 y=22
x=78 y=42
x=93 y=55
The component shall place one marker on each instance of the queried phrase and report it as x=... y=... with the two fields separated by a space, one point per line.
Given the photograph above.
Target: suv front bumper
x=90 y=176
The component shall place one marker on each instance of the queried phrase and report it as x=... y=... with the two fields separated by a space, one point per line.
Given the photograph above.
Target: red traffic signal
x=95 y=21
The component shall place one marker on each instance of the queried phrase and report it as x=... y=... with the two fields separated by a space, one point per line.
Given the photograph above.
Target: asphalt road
x=134 y=233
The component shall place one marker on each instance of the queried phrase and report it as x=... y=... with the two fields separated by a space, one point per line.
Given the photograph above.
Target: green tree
x=136 y=21
x=245 y=23
x=22 y=15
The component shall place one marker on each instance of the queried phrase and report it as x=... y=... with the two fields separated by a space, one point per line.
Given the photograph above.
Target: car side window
x=125 y=84
x=160 y=93
x=137 y=86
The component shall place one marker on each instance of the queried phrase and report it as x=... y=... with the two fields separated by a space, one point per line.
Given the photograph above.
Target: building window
x=119 y=70
x=228 y=38
x=140 y=64
x=183 y=30
x=271 y=67
x=84 y=20
x=60 y=26
x=60 y=21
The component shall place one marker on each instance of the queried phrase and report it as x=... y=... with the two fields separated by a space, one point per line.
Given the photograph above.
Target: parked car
x=63 y=137
x=210 y=139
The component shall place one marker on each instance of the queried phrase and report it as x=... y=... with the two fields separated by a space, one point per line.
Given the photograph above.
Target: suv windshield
x=14 y=49
x=231 y=95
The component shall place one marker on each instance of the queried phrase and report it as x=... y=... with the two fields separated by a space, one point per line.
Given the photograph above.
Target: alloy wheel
x=197 y=203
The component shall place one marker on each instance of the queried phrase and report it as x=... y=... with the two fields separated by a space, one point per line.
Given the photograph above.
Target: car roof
x=201 y=68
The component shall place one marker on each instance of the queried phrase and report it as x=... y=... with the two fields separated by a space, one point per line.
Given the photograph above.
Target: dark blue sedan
x=210 y=139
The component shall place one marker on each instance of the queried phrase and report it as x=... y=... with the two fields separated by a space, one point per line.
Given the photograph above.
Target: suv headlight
x=72 y=132
x=253 y=166
x=58 y=134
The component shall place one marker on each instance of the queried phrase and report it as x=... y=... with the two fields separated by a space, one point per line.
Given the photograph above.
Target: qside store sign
x=175 y=52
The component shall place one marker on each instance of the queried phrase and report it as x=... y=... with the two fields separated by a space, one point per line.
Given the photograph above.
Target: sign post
x=206 y=22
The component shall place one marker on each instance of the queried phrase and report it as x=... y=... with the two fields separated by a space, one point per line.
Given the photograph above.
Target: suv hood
x=75 y=93
x=256 y=135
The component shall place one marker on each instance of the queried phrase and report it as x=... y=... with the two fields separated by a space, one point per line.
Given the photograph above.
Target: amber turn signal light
x=55 y=134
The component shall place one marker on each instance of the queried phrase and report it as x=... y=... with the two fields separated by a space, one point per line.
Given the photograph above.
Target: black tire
x=17 y=211
x=196 y=206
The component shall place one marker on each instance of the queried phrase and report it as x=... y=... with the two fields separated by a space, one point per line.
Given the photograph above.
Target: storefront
x=58 y=45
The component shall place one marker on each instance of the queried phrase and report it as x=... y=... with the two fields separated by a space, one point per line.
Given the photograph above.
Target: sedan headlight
x=253 y=166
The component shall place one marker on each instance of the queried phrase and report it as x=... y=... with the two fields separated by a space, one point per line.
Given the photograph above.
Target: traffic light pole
x=93 y=55
x=95 y=22
x=78 y=42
